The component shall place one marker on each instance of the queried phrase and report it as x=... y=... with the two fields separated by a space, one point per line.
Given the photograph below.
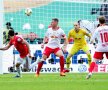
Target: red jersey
x=22 y=48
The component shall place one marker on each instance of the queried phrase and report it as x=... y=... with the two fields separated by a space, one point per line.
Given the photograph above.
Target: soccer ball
x=28 y=11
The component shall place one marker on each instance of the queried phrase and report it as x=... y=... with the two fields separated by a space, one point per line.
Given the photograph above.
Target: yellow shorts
x=76 y=48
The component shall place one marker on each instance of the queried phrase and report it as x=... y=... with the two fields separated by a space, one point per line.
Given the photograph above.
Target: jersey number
x=104 y=37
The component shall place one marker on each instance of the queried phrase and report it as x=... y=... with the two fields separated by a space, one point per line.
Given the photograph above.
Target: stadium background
x=43 y=12
x=67 y=12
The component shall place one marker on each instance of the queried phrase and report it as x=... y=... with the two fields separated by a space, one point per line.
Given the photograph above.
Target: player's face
x=54 y=23
x=76 y=26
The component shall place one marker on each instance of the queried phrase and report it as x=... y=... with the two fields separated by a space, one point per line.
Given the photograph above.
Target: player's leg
x=40 y=64
x=97 y=56
x=59 y=53
x=86 y=50
x=72 y=51
x=18 y=69
x=36 y=62
x=27 y=63
x=45 y=55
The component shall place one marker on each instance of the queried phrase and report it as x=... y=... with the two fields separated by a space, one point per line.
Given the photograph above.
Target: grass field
x=54 y=82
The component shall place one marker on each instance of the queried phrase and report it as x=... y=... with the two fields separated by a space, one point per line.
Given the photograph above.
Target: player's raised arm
x=6 y=47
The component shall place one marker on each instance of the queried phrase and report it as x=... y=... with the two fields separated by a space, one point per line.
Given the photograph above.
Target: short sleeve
x=84 y=31
x=10 y=42
x=69 y=34
x=63 y=33
x=47 y=33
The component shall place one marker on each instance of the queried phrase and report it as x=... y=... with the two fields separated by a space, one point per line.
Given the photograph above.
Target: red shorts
x=48 y=51
x=99 y=55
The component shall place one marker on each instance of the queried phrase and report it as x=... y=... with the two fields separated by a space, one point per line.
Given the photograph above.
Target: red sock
x=39 y=67
x=61 y=64
x=92 y=65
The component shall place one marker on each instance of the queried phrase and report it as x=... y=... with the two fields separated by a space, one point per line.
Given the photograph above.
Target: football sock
x=68 y=62
x=92 y=65
x=35 y=63
x=89 y=59
x=61 y=64
x=18 y=71
x=39 y=67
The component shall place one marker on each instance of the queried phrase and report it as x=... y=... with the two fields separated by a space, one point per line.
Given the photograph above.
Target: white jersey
x=101 y=33
x=54 y=37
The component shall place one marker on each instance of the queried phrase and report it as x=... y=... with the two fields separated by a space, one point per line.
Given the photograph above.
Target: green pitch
x=54 y=82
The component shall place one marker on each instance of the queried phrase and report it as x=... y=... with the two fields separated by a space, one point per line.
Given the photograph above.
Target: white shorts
x=24 y=61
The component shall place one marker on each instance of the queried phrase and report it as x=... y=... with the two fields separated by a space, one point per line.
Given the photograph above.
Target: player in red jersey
x=101 y=34
x=23 y=48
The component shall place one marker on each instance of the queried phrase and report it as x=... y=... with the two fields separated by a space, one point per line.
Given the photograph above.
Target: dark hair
x=55 y=19
x=102 y=20
x=11 y=33
x=98 y=25
x=8 y=24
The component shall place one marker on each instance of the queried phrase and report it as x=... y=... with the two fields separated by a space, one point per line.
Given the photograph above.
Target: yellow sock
x=68 y=62
x=89 y=59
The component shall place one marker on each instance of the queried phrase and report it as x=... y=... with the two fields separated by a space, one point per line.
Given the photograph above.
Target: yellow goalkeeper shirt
x=78 y=37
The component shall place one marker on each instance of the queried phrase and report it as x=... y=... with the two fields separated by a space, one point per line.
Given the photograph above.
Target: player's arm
x=69 y=36
x=63 y=35
x=45 y=40
x=27 y=44
x=93 y=37
x=87 y=34
x=6 y=47
x=65 y=43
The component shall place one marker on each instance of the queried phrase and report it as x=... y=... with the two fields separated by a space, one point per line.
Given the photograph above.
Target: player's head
x=102 y=20
x=54 y=22
x=76 y=26
x=8 y=25
x=11 y=33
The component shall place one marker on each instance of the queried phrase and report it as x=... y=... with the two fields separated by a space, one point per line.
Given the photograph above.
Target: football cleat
x=88 y=76
x=17 y=76
x=66 y=70
x=62 y=74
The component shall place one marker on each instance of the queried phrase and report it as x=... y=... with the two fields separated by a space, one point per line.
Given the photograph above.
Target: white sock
x=35 y=63
x=18 y=71
x=90 y=73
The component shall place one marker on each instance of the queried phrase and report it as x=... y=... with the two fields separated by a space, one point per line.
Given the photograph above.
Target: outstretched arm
x=6 y=47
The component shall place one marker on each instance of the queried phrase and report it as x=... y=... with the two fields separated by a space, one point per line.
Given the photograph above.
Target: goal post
x=1 y=35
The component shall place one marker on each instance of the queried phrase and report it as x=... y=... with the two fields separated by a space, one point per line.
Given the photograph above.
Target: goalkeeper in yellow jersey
x=80 y=43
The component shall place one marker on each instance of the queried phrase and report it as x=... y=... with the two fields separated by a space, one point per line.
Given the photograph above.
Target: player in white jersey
x=54 y=35
x=101 y=33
